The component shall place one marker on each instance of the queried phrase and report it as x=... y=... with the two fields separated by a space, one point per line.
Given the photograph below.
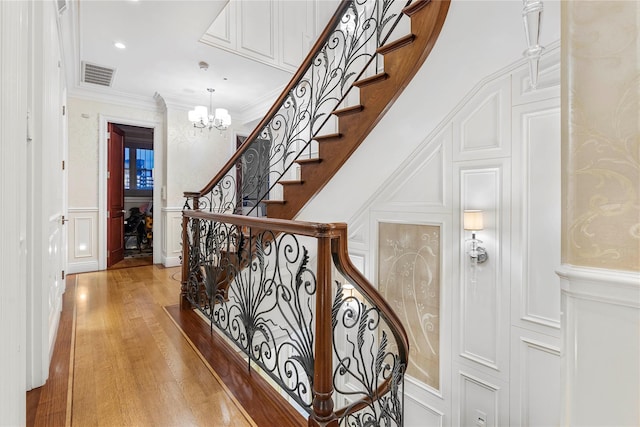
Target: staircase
x=321 y=332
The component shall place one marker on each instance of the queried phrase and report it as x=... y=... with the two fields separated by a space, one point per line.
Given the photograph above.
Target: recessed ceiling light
x=119 y=45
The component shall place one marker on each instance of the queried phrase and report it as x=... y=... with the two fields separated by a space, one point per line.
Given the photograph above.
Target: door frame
x=158 y=176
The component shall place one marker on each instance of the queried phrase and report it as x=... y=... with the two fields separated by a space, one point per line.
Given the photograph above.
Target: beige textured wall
x=84 y=142
x=194 y=156
x=601 y=134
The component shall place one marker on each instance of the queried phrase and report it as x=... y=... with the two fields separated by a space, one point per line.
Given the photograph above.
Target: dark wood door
x=115 y=196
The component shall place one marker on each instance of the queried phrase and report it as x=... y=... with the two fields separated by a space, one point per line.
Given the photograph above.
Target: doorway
x=130 y=188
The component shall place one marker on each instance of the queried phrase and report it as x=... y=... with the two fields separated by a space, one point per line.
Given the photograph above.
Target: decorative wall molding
x=537 y=214
x=479 y=402
x=484 y=290
x=429 y=168
x=601 y=285
x=114 y=97
x=535 y=369
x=82 y=240
x=429 y=416
x=480 y=129
x=264 y=32
x=600 y=346
x=172 y=242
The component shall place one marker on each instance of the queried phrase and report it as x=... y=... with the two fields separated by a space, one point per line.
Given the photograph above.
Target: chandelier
x=219 y=118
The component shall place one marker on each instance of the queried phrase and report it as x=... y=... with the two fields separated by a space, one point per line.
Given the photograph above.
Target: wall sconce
x=473 y=222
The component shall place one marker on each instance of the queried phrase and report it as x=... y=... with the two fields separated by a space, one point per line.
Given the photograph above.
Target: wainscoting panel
x=426 y=183
x=255 y=15
x=479 y=401
x=600 y=347
x=82 y=251
x=535 y=369
x=222 y=28
x=83 y=237
x=421 y=414
x=172 y=244
x=482 y=127
x=483 y=295
x=536 y=219
x=267 y=31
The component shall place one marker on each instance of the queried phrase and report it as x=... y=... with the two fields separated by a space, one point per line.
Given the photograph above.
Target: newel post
x=323 y=414
x=184 y=279
x=185 y=262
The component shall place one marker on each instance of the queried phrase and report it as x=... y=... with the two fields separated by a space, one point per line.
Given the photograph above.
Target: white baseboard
x=82 y=267
x=173 y=261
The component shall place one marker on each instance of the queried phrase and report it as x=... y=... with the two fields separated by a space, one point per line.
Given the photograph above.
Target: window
x=138 y=170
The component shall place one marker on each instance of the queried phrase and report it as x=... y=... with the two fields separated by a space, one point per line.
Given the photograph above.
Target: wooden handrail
x=310 y=229
x=335 y=19
x=337 y=234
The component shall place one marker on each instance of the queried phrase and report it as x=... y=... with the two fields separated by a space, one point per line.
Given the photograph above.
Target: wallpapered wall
x=194 y=156
x=83 y=145
x=601 y=134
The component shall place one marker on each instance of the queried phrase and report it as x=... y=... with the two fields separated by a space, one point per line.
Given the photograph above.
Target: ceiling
x=161 y=55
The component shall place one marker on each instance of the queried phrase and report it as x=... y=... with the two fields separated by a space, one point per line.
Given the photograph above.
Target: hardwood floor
x=130 y=364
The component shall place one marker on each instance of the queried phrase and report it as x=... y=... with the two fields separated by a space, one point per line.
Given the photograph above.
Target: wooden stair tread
x=396 y=44
x=406 y=55
x=415 y=7
x=327 y=137
x=308 y=161
x=371 y=80
x=348 y=110
x=273 y=202
x=291 y=182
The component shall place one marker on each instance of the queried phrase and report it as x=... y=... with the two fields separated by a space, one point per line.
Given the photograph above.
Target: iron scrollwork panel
x=365 y=360
x=256 y=287
x=345 y=55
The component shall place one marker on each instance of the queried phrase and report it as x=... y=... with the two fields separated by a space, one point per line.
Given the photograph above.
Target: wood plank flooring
x=131 y=365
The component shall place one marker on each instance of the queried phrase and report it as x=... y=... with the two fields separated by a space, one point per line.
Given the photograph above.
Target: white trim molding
x=600 y=346
x=608 y=286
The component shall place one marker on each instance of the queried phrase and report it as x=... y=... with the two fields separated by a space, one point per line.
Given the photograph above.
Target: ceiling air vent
x=96 y=74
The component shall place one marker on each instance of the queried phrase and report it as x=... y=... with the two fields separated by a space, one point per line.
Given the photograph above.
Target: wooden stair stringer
x=400 y=66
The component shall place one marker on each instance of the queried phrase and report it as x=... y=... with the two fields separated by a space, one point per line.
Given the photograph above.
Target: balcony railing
x=287 y=295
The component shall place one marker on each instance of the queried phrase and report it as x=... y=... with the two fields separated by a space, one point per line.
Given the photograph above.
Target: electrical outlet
x=481 y=419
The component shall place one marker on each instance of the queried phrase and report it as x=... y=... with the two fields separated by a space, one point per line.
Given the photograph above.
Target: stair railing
x=287 y=295
x=342 y=54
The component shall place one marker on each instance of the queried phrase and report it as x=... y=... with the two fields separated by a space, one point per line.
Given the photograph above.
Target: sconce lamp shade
x=473 y=220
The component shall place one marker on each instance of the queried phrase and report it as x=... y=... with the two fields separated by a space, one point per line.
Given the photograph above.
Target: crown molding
x=116 y=98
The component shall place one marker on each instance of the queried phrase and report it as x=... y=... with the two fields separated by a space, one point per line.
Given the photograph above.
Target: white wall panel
x=535 y=389
x=536 y=227
x=419 y=414
x=601 y=347
x=482 y=127
x=223 y=27
x=253 y=15
x=82 y=249
x=296 y=31
x=83 y=237
x=172 y=243
x=479 y=401
x=484 y=294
